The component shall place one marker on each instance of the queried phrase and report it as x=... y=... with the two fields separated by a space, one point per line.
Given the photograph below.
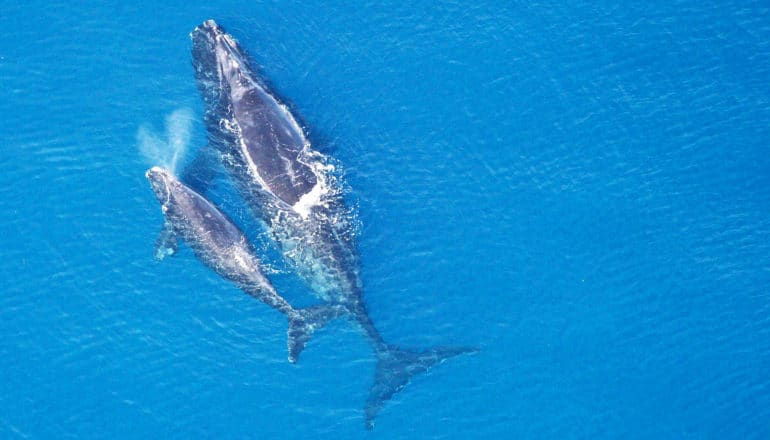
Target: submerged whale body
x=287 y=186
x=219 y=244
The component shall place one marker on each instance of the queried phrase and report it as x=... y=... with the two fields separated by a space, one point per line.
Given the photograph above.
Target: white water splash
x=169 y=151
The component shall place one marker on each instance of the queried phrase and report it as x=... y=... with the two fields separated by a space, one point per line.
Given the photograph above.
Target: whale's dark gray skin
x=197 y=176
x=269 y=159
x=221 y=246
x=268 y=132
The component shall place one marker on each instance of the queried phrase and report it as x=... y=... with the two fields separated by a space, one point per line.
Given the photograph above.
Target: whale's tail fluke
x=307 y=321
x=395 y=368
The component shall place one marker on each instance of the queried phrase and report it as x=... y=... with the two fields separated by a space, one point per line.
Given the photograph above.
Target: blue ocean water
x=580 y=189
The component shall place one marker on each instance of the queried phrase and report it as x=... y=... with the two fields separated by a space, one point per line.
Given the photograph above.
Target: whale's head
x=164 y=186
x=207 y=40
x=221 y=66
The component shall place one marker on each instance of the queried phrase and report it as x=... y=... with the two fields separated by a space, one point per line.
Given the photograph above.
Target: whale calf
x=197 y=176
x=287 y=186
x=220 y=245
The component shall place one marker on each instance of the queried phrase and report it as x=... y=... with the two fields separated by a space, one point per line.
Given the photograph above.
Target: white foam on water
x=328 y=192
x=310 y=199
x=168 y=151
x=321 y=190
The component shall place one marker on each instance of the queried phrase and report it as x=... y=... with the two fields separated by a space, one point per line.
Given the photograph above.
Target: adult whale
x=288 y=186
x=219 y=244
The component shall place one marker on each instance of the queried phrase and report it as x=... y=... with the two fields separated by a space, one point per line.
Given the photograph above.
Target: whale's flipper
x=198 y=175
x=395 y=368
x=302 y=326
x=167 y=242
